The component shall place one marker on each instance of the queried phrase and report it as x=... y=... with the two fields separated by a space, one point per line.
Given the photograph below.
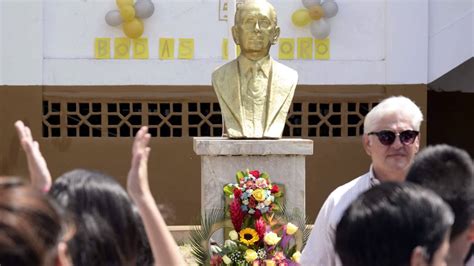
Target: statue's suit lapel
x=276 y=98
x=230 y=91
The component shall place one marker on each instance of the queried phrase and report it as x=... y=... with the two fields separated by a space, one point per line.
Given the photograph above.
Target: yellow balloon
x=127 y=13
x=121 y=3
x=316 y=12
x=133 y=29
x=301 y=17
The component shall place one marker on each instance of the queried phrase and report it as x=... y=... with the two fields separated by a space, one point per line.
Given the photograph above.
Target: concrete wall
x=174 y=167
x=21 y=42
x=51 y=43
x=451 y=35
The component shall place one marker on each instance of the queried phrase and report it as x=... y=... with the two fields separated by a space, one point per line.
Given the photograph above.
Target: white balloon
x=330 y=9
x=113 y=18
x=310 y=3
x=320 y=29
x=144 y=8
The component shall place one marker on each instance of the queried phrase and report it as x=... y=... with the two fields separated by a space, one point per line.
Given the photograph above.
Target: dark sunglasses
x=387 y=137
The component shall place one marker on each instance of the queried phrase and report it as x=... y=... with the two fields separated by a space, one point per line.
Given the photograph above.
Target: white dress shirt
x=319 y=250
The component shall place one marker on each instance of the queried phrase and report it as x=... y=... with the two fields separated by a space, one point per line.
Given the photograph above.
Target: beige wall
x=174 y=168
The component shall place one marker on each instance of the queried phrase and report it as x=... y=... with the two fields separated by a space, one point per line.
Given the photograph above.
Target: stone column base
x=282 y=159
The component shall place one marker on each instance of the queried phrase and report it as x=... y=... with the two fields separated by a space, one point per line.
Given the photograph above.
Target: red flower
x=255 y=173
x=237 y=193
x=257 y=214
x=275 y=189
x=216 y=260
x=236 y=214
x=252 y=203
x=260 y=227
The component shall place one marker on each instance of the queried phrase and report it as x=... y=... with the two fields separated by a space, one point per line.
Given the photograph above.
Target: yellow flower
x=259 y=194
x=271 y=238
x=226 y=260
x=248 y=236
x=291 y=229
x=296 y=256
x=233 y=235
x=270 y=263
x=250 y=255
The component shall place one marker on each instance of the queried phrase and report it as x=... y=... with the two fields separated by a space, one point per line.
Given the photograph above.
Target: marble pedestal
x=282 y=159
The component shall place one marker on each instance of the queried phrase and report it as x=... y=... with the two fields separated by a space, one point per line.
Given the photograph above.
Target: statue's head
x=255 y=28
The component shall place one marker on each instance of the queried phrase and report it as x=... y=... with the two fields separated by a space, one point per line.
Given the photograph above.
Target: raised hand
x=137 y=181
x=164 y=248
x=39 y=172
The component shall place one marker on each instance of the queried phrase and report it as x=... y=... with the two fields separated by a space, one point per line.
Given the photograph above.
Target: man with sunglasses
x=391 y=139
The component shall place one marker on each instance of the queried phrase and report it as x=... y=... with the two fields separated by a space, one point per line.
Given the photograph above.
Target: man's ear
x=235 y=34
x=417 y=143
x=367 y=144
x=418 y=257
x=276 y=35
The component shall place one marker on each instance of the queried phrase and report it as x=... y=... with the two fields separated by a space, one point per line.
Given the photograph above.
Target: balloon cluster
x=130 y=15
x=316 y=13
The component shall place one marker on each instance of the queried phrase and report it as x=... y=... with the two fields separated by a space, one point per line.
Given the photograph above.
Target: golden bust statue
x=254 y=91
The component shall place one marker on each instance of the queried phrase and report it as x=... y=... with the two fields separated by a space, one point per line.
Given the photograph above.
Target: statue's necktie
x=254 y=105
x=255 y=84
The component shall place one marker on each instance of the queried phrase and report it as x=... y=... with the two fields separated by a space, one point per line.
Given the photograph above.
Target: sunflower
x=248 y=236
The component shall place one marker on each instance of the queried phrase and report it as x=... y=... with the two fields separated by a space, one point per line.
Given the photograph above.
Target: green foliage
x=298 y=218
x=229 y=190
x=200 y=236
x=239 y=175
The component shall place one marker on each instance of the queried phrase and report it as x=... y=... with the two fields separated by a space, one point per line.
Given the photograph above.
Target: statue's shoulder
x=224 y=69
x=282 y=70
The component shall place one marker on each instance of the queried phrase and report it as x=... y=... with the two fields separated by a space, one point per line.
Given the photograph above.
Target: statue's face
x=255 y=30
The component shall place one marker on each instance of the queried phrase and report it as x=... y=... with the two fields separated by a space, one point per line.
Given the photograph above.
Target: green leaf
x=248 y=222
x=229 y=190
x=264 y=175
x=240 y=175
x=291 y=251
x=276 y=207
x=199 y=236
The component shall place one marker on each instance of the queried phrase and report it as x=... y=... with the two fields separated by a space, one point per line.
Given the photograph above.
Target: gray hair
x=394 y=105
x=246 y=3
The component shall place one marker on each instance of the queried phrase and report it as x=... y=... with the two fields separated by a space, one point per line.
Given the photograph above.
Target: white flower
x=271 y=238
x=233 y=235
x=296 y=256
x=261 y=182
x=229 y=244
x=226 y=260
x=251 y=211
x=260 y=206
x=291 y=229
x=245 y=202
x=267 y=202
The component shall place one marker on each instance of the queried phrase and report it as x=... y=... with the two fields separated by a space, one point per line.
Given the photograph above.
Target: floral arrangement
x=259 y=237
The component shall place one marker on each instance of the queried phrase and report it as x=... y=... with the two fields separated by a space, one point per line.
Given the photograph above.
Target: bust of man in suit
x=254 y=91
